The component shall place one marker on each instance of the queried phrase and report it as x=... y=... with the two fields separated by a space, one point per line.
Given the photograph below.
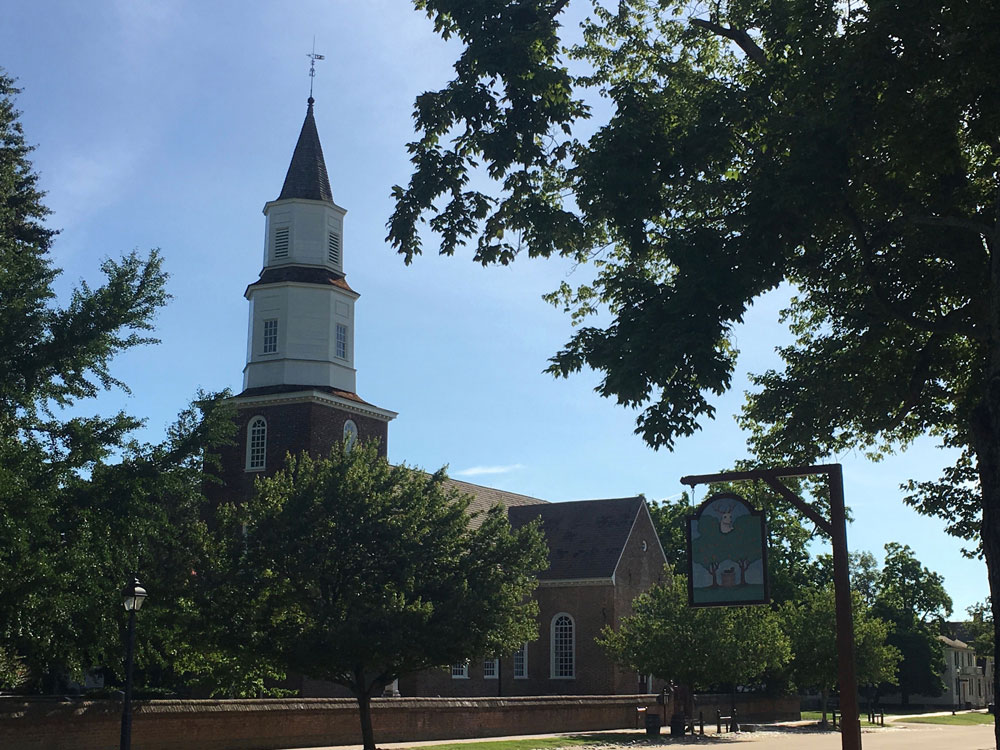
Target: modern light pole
x=134 y=594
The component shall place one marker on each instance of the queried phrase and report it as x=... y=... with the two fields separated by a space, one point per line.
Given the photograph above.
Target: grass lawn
x=957 y=719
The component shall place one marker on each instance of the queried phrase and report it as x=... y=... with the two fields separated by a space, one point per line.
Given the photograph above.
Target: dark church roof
x=484 y=498
x=301 y=274
x=307 y=176
x=585 y=537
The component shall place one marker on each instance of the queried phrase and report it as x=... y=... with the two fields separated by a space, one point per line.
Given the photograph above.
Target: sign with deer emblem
x=727 y=553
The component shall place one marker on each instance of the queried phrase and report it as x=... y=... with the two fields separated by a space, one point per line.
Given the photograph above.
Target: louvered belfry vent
x=334 y=247
x=281 y=242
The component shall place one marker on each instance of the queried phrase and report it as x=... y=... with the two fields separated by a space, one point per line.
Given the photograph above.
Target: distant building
x=299 y=394
x=968 y=679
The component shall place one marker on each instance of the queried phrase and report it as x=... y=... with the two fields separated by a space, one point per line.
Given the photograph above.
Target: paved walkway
x=896 y=736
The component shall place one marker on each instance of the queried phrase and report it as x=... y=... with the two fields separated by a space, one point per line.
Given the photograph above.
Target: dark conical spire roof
x=307 y=176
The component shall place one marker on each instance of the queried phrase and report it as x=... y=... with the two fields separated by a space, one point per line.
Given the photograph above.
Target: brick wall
x=636 y=573
x=291 y=428
x=270 y=724
x=267 y=724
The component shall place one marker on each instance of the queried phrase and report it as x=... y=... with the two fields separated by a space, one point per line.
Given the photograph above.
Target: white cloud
x=476 y=471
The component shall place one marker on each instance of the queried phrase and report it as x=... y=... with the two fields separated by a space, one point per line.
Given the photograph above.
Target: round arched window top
x=350 y=434
x=644 y=545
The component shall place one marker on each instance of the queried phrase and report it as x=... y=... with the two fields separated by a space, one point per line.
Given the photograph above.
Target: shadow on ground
x=627 y=739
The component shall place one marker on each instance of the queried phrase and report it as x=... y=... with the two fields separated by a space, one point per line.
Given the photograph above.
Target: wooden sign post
x=836 y=527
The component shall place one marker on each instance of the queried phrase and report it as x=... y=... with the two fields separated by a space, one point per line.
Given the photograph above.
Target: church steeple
x=307 y=177
x=301 y=307
x=299 y=389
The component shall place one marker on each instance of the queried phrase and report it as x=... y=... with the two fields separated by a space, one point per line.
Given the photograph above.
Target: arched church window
x=563 y=647
x=256 y=444
x=350 y=435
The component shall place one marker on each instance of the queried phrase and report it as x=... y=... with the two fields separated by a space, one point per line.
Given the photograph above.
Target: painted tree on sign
x=706 y=551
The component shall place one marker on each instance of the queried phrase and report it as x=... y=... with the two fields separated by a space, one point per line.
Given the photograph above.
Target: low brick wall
x=756 y=709
x=42 y=724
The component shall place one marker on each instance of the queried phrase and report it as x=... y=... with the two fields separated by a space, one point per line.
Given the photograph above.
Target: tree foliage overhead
x=351 y=570
x=850 y=150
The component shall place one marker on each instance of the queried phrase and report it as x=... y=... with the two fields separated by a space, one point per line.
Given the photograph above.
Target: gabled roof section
x=585 y=537
x=307 y=177
x=953 y=642
x=484 y=498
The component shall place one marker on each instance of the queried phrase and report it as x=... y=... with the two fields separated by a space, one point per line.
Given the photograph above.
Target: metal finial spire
x=313 y=57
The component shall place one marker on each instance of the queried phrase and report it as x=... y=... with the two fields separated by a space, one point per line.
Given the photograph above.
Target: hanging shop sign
x=727 y=553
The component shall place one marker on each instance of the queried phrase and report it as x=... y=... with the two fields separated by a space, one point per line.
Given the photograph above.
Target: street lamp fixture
x=134 y=595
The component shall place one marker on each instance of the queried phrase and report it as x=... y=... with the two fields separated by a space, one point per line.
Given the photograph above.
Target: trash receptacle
x=652 y=724
x=677 y=725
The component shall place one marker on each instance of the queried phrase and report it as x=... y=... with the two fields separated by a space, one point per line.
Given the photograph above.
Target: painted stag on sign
x=727 y=553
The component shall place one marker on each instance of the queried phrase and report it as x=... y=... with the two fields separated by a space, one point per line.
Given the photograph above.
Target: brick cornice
x=576 y=582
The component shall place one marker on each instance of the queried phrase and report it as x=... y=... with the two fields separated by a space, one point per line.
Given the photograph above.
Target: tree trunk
x=822 y=706
x=986 y=435
x=364 y=697
x=985 y=429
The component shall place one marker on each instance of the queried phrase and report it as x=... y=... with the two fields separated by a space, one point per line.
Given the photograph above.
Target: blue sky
x=170 y=125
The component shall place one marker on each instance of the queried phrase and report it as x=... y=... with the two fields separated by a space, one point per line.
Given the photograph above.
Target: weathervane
x=313 y=57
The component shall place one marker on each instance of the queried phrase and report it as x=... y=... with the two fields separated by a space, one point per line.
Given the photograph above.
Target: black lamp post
x=134 y=594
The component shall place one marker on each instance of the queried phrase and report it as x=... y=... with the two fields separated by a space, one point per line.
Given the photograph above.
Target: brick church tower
x=299 y=389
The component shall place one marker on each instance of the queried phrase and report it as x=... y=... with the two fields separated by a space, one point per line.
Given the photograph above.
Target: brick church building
x=300 y=394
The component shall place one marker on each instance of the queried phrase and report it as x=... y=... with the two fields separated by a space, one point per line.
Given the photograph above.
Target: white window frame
x=555 y=671
x=269 y=336
x=340 y=342
x=460 y=671
x=491 y=669
x=521 y=669
x=256 y=458
x=350 y=434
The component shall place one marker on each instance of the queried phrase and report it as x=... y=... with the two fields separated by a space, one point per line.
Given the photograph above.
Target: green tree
x=980 y=627
x=697 y=647
x=810 y=626
x=670 y=519
x=744 y=145
x=81 y=505
x=866 y=576
x=914 y=600
x=358 y=572
x=911 y=587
